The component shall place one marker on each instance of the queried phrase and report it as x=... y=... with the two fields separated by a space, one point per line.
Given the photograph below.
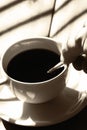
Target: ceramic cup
x=33 y=92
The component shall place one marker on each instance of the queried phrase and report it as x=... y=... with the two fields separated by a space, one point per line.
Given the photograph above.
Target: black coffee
x=32 y=65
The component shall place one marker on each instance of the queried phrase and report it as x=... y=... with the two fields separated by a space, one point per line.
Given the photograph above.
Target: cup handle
x=4 y=80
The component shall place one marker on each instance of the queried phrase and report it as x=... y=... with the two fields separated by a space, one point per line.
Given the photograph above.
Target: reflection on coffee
x=32 y=65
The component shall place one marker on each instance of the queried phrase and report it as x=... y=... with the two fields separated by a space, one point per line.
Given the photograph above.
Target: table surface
x=50 y=18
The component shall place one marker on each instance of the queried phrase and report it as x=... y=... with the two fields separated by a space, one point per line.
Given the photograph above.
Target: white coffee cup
x=37 y=92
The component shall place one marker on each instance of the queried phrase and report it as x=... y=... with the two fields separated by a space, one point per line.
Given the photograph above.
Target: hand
x=75 y=51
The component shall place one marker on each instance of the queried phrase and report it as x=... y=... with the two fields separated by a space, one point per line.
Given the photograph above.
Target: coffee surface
x=32 y=65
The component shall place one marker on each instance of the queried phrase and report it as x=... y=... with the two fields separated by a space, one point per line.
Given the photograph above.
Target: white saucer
x=72 y=100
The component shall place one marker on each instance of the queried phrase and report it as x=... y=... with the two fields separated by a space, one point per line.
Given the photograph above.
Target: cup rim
x=38 y=82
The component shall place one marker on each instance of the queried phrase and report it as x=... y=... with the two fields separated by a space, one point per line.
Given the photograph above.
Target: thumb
x=69 y=51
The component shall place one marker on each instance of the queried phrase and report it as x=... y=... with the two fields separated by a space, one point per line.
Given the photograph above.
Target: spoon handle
x=57 y=66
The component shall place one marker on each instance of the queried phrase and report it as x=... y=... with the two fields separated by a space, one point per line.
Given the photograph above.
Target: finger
x=85 y=24
x=85 y=46
x=81 y=36
x=67 y=52
x=78 y=63
x=85 y=40
x=84 y=65
x=71 y=51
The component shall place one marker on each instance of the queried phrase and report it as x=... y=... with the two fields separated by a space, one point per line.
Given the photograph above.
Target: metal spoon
x=57 y=66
